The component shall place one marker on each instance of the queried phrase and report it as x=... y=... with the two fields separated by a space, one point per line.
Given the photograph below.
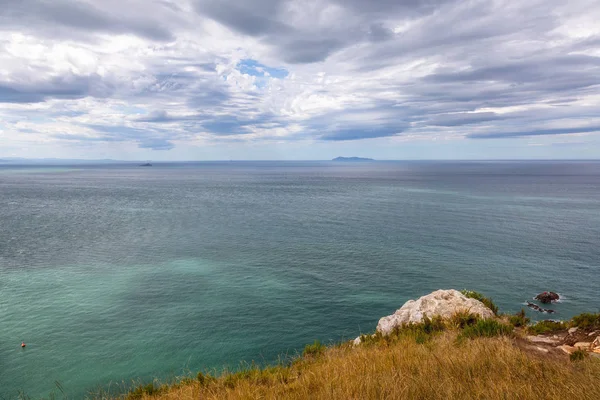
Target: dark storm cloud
x=233 y=125
x=67 y=87
x=532 y=70
x=146 y=138
x=463 y=119
x=156 y=144
x=143 y=142
x=404 y=7
x=461 y=31
x=359 y=133
x=310 y=43
x=225 y=125
x=266 y=19
x=207 y=95
x=382 y=120
x=11 y=95
x=378 y=32
x=252 y=18
x=49 y=16
x=303 y=51
x=537 y=132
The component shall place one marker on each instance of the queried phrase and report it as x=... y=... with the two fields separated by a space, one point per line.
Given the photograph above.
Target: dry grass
x=401 y=368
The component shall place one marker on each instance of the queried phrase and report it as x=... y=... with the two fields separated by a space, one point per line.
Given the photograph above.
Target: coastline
x=529 y=355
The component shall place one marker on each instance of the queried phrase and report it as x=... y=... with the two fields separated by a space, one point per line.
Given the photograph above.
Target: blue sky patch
x=254 y=68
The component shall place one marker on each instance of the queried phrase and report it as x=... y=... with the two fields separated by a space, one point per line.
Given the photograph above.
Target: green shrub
x=230 y=380
x=431 y=325
x=519 y=319
x=461 y=319
x=204 y=379
x=422 y=332
x=314 y=350
x=586 y=320
x=547 y=326
x=485 y=300
x=422 y=337
x=486 y=328
x=578 y=355
x=376 y=338
x=141 y=390
x=256 y=376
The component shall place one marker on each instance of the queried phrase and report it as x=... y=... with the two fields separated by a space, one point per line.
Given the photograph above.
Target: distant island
x=352 y=159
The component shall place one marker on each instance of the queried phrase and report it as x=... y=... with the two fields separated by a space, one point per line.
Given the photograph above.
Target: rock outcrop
x=547 y=297
x=596 y=345
x=442 y=303
x=539 y=309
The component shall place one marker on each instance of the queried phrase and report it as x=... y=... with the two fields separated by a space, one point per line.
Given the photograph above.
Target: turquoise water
x=112 y=273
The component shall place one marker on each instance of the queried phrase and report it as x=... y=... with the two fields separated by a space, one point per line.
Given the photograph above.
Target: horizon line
x=365 y=160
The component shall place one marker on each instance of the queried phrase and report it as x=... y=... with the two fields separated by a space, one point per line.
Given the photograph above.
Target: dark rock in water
x=539 y=309
x=547 y=297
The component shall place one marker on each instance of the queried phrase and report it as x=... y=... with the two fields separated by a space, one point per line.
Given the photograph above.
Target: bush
x=578 y=355
x=586 y=320
x=519 y=319
x=255 y=375
x=423 y=331
x=204 y=379
x=486 y=328
x=431 y=325
x=546 y=326
x=377 y=337
x=462 y=319
x=314 y=350
x=478 y=296
x=142 y=390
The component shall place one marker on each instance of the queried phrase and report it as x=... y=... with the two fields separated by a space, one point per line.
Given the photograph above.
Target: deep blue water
x=117 y=272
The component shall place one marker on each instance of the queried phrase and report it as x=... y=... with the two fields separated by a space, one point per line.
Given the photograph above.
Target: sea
x=117 y=274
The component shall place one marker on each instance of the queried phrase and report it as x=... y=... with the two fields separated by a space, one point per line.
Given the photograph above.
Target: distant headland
x=352 y=159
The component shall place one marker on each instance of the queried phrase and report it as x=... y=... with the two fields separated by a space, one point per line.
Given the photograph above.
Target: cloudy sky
x=277 y=79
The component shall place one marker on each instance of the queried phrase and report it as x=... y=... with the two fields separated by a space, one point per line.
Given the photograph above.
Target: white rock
x=358 y=340
x=582 y=345
x=441 y=302
x=542 y=339
x=567 y=349
x=572 y=330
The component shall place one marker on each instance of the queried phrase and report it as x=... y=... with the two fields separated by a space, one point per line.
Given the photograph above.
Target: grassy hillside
x=462 y=358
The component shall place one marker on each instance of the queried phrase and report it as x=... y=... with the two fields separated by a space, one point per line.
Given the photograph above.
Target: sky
x=289 y=80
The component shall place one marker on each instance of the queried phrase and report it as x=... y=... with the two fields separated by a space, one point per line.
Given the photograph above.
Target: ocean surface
x=112 y=273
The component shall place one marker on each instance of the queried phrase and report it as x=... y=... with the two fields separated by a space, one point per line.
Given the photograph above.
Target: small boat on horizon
x=146 y=165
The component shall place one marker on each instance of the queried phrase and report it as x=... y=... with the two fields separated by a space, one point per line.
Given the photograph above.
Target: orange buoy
x=23 y=344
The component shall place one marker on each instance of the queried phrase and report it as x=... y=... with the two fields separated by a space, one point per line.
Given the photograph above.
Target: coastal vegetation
x=464 y=356
x=546 y=326
x=586 y=320
x=478 y=296
x=519 y=319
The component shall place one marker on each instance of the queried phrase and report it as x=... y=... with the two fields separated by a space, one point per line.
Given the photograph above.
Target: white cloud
x=100 y=75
